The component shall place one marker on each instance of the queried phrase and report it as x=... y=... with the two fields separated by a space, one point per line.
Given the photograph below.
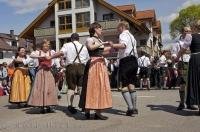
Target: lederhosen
x=75 y=71
x=128 y=67
x=143 y=69
x=181 y=68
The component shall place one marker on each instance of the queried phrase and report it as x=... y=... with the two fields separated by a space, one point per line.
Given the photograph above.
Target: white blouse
x=43 y=54
x=187 y=41
x=129 y=41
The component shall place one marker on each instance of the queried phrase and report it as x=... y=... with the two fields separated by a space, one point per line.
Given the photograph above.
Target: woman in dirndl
x=96 y=92
x=44 y=92
x=192 y=41
x=21 y=83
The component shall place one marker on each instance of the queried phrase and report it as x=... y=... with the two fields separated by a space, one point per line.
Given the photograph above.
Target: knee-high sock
x=134 y=99
x=70 y=97
x=148 y=84
x=127 y=98
x=141 y=83
x=182 y=97
x=165 y=84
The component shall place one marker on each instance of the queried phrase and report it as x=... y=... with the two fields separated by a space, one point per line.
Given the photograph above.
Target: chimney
x=12 y=33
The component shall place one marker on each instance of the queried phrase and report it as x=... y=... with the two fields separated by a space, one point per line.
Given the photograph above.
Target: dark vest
x=96 y=53
x=195 y=44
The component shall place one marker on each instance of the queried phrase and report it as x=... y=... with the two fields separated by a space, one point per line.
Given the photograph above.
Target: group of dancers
x=86 y=73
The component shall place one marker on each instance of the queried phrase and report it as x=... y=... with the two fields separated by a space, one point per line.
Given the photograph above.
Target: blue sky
x=17 y=14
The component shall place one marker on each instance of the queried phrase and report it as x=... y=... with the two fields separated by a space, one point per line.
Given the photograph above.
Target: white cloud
x=169 y=18
x=26 y=6
x=188 y=3
x=172 y=16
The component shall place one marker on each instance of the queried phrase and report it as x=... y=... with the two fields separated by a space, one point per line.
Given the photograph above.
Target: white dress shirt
x=70 y=53
x=129 y=41
x=163 y=61
x=144 y=61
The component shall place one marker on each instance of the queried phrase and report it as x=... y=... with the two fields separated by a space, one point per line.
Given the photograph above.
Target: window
x=14 y=43
x=82 y=3
x=64 y=4
x=108 y=16
x=65 y=24
x=52 y=24
x=82 y=21
x=1 y=55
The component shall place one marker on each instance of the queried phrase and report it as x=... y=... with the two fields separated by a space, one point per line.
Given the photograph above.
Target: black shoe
x=87 y=115
x=135 y=111
x=42 y=111
x=50 y=110
x=100 y=117
x=72 y=110
x=129 y=112
x=180 y=107
x=191 y=107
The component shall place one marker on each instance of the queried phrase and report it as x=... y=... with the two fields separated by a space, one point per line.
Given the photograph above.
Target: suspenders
x=142 y=64
x=78 y=53
x=132 y=45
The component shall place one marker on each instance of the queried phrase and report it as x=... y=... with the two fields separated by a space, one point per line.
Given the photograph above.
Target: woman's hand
x=48 y=57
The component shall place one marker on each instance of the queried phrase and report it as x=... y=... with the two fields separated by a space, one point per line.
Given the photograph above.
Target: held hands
x=48 y=57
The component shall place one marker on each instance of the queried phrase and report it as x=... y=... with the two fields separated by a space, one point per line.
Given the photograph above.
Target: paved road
x=157 y=113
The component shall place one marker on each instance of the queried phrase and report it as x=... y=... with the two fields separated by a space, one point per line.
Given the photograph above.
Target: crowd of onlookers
x=6 y=73
x=161 y=72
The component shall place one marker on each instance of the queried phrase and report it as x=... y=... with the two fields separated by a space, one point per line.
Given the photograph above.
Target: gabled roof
x=157 y=25
x=126 y=8
x=29 y=31
x=5 y=38
x=146 y=14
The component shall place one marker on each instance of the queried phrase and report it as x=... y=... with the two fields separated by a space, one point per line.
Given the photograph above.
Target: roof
x=157 y=25
x=146 y=14
x=126 y=7
x=4 y=45
x=29 y=31
x=6 y=38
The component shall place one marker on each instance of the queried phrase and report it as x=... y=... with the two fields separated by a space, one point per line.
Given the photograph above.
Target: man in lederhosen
x=144 y=63
x=128 y=66
x=76 y=55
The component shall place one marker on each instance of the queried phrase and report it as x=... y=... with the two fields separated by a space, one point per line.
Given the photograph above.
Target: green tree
x=187 y=17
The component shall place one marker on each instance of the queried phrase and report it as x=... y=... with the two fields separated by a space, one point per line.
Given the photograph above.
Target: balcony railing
x=40 y=32
x=110 y=24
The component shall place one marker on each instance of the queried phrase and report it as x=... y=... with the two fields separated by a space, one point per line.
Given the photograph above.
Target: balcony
x=40 y=32
x=111 y=24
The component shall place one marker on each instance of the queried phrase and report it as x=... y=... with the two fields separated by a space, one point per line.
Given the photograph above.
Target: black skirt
x=84 y=86
x=128 y=67
x=193 y=90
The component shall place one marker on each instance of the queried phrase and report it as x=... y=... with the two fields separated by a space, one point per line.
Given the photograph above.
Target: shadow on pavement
x=115 y=112
x=78 y=116
x=172 y=109
x=33 y=110
x=15 y=106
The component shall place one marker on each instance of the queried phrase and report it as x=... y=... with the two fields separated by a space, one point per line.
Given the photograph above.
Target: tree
x=187 y=17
